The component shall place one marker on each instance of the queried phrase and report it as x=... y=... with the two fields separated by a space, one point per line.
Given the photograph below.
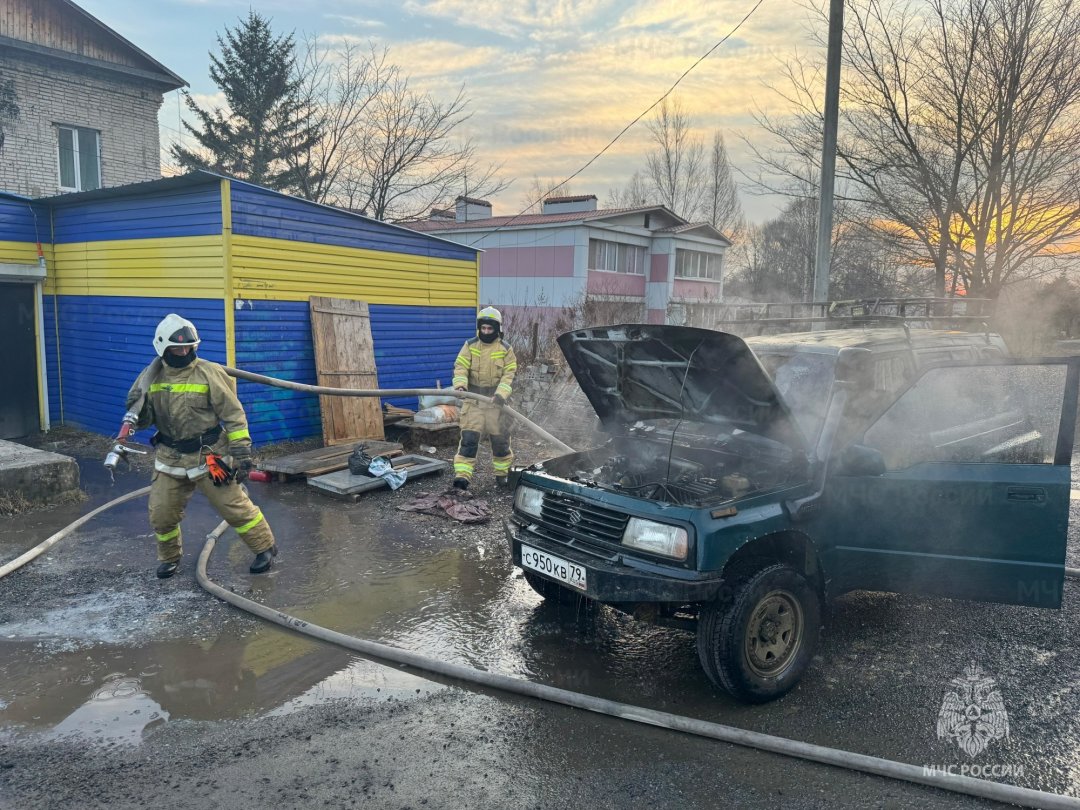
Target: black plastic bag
x=359 y=460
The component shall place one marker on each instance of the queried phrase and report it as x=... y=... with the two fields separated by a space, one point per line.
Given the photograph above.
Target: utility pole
x=828 y=151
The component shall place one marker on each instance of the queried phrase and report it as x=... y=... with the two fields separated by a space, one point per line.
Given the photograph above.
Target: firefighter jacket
x=195 y=411
x=486 y=368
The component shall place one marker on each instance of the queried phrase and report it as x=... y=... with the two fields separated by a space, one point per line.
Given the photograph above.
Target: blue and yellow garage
x=240 y=261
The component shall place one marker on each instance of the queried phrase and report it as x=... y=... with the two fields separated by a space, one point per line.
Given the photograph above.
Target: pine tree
x=266 y=127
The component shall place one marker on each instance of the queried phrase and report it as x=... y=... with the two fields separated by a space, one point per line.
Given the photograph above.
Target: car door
x=960 y=488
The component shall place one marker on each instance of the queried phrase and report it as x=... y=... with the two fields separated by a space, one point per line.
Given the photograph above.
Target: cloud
x=356 y=22
x=515 y=19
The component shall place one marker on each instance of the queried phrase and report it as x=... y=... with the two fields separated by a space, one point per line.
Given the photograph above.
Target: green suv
x=744 y=482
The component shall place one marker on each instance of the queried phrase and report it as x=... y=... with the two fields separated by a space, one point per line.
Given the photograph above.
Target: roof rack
x=937 y=313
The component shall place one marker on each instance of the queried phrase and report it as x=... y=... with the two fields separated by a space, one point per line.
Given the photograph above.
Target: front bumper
x=613 y=582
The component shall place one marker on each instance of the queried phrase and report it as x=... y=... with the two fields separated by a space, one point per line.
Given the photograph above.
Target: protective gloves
x=242 y=461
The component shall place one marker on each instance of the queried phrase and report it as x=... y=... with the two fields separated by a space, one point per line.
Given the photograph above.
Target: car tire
x=758 y=643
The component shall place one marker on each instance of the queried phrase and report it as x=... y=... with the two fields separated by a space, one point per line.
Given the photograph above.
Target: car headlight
x=528 y=500
x=656 y=538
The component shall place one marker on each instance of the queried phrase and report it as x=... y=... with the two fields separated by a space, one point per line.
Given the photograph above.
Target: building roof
x=532 y=220
x=695 y=226
x=571 y=199
x=153 y=70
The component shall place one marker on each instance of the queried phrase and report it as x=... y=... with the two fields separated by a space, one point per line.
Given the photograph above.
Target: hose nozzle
x=119 y=453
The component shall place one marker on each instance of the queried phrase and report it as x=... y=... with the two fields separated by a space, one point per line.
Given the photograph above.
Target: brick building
x=87 y=102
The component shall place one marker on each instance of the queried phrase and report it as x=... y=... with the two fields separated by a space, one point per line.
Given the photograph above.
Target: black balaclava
x=488 y=338
x=178 y=360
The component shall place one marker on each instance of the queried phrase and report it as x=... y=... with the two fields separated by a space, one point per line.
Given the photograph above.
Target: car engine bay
x=681 y=467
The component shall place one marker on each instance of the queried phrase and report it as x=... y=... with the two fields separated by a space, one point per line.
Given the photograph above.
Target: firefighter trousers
x=478 y=418
x=169 y=496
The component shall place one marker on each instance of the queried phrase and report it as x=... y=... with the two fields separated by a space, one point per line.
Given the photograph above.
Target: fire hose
x=967 y=785
x=532 y=427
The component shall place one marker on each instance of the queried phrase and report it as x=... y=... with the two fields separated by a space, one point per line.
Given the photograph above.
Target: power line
x=624 y=130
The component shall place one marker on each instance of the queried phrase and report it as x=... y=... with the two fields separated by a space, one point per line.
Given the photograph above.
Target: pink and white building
x=642 y=264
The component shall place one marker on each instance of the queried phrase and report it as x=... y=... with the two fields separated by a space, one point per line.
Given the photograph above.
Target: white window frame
x=75 y=132
x=616 y=257
x=698 y=264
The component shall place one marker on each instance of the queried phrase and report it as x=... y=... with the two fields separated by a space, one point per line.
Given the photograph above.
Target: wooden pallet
x=323 y=460
x=344 y=485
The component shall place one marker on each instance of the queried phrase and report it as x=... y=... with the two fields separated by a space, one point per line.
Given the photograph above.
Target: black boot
x=461 y=483
x=167 y=569
x=263 y=560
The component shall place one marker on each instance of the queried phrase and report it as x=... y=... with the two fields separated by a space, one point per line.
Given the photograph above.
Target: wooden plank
x=300 y=463
x=342 y=463
x=344 y=484
x=345 y=358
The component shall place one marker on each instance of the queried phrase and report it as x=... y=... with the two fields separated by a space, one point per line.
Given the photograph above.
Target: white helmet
x=174 y=331
x=489 y=314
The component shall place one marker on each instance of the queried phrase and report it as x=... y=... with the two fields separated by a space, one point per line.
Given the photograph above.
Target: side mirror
x=858 y=459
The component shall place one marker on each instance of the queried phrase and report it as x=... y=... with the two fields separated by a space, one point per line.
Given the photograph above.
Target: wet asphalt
x=119 y=690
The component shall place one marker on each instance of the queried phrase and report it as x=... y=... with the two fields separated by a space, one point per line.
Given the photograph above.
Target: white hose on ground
x=971 y=786
x=45 y=545
x=1010 y=794
x=529 y=425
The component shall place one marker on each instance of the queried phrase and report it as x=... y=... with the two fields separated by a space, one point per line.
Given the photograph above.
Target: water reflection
x=118 y=711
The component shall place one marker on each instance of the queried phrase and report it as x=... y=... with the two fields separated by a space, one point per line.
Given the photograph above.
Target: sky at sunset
x=550 y=81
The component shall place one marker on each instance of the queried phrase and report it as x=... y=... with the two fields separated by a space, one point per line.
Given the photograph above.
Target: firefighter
x=192 y=403
x=485 y=365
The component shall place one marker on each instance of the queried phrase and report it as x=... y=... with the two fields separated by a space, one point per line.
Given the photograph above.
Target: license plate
x=565 y=571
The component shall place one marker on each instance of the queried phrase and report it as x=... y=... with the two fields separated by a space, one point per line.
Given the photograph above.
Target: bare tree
x=695 y=183
x=636 y=192
x=960 y=132
x=539 y=190
x=675 y=168
x=337 y=90
x=720 y=204
x=386 y=149
x=412 y=159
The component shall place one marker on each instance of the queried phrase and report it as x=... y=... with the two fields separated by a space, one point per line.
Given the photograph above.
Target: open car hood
x=633 y=372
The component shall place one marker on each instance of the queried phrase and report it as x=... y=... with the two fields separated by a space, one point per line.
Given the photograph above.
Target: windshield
x=805 y=381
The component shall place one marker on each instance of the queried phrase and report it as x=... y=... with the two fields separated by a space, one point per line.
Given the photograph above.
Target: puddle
x=119 y=711
x=125 y=654
x=112 y=665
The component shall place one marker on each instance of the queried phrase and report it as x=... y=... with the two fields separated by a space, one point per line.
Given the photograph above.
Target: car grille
x=582 y=520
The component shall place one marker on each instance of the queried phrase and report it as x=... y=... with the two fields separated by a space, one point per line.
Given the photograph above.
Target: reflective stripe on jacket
x=489 y=366
x=187 y=402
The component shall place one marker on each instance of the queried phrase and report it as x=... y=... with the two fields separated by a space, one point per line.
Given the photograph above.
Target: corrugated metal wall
x=186 y=211
x=165 y=244
x=289 y=249
x=122 y=262
x=414 y=348
x=22 y=224
x=105 y=342
x=274 y=338
x=258 y=211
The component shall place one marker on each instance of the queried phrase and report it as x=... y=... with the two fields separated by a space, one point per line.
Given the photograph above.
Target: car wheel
x=758 y=643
